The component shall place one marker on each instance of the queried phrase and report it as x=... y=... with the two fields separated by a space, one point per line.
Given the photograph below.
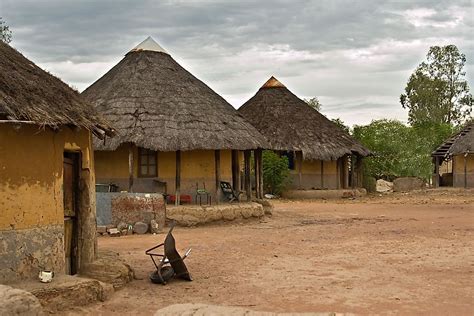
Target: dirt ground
x=391 y=254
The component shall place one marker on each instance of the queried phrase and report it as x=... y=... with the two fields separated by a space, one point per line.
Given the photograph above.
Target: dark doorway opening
x=71 y=168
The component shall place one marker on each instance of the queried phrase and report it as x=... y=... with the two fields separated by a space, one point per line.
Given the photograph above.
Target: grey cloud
x=339 y=50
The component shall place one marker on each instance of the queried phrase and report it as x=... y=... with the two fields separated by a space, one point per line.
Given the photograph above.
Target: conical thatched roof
x=460 y=143
x=29 y=94
x=289 y=123
x=155 y=103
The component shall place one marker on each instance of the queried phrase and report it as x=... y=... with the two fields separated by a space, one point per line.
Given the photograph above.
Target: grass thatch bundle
x=29 y=94
x=290 y=124
x=460 y=143
x=155 y=103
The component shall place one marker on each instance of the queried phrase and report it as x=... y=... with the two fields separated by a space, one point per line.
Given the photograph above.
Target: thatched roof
x=460 y=143
x=290 y=124
x=155 y=103
x=30 y=95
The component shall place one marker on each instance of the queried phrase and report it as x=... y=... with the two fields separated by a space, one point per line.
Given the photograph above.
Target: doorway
x=71 y=167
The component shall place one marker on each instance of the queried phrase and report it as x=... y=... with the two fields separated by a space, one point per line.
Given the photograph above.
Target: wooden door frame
x=76 y=157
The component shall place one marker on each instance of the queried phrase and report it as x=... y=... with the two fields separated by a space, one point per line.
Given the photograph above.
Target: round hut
x=320 y=153
x=47 y=200
x=175 y=134
x=456 y=155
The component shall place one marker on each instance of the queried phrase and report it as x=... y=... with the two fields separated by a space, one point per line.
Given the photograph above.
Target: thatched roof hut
x=460 y=143
x=289 y=124
x=156 y=104
x=30 y=95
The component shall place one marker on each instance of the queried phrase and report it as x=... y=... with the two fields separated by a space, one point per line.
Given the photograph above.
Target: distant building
x=173 y=130
x=47 y=200
x=458 y=153
x=318 y=150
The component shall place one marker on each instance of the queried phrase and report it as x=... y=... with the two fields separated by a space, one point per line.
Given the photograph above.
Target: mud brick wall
x=114 y=208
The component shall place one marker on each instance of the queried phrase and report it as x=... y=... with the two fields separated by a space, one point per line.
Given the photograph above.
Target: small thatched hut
x=458 y=153
x=47 y=200
x=318 y=150
x=172 y=128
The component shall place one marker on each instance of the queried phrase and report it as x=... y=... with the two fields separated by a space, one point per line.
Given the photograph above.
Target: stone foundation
x=196 y=215
x=25 y=252
x=324 y=194
x=109 y=268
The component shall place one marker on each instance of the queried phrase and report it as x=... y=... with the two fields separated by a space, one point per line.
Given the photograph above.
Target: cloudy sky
x=355 y=56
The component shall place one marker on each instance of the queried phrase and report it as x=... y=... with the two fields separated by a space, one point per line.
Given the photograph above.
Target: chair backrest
x=226 y=187
x=173 y=256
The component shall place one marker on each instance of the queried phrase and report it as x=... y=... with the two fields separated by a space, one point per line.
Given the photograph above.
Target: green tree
x=314 y=103
x=5 y=33
x=400 y=150
x=438 y=92
x=341 y=124
x=275 y=172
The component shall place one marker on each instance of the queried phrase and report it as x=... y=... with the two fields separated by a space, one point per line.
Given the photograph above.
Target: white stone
x=384 y=186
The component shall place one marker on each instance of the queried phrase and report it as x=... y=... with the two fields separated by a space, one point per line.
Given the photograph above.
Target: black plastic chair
x=171 y=264
x=230 y=194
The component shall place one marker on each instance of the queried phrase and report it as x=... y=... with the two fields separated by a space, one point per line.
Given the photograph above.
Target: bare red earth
x=394 y=254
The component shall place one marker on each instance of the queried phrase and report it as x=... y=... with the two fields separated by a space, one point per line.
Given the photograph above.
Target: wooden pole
x=300 y=168
x=346 y=171
x=322 y=174
x=255 y=171
x=436 y=173
x=178 y=178
x=339 y=169
x=235 y=170
x=352 y=172
x=130 y=168
x=217 y=159
x=260 y=171
x=247 y=175
x=465 y=170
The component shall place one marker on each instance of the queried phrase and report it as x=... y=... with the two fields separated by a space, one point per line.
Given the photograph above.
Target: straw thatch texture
x=290 y=124
x=155 y=103
x=460 y=143
x=31 y=95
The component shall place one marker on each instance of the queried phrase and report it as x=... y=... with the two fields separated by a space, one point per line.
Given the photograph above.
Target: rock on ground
x=109 y=268
x=383 y=186
x=18 y=302
x=267 y=206
x=214 y=310
x=140 y=228
x=406 y=184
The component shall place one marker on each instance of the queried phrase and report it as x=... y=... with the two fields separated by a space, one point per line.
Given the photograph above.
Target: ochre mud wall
x=197 y=167
x=458 y=171
x=311 y=175
x=31 y=199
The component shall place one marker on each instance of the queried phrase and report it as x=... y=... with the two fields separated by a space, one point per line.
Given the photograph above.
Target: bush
x=400 y=150
x=369 y=183
x=276 y=174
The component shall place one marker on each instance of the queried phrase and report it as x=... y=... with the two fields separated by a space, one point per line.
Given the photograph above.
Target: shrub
x=276 y=174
